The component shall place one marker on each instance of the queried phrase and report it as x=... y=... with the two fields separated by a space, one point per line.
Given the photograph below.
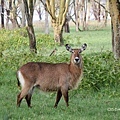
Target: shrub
x=100 y=71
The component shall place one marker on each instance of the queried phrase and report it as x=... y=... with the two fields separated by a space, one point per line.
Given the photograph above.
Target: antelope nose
x=77 y=59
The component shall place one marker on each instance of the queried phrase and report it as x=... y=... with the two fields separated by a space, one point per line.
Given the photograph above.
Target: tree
x=29 y=10
x=84 y=14
x=11 y=11
x=2 y=13
x=8 y=12
x=22 y=9
x=46 y=22
x=66 y=25
x=103 y=10
x=14 y=15
x=115 y=23
x=76 y=9
x=73 y=13
x=80 y=10
x=57 y=11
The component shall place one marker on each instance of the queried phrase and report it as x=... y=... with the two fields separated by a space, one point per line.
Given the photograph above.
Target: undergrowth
x=102 y=74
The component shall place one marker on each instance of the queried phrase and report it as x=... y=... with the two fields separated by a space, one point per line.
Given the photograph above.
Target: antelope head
x=75 y=56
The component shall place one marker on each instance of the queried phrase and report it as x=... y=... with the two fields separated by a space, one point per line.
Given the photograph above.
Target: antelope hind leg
x=29 y=96
x=21 y=95
x=28 y=99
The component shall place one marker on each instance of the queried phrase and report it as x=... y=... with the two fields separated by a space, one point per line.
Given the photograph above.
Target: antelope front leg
x=59 y=95
x=65 y=95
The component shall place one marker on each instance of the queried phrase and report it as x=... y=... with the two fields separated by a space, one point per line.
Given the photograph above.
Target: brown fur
x=59 y=77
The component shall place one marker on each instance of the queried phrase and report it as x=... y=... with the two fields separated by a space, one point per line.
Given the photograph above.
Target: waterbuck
x=59 y=77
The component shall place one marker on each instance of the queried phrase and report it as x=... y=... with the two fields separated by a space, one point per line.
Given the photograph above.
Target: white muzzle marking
x=77 y=60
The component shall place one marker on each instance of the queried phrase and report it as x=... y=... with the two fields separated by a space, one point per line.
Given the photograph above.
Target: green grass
x=83 y=105
x=86 y=103
x=97 y=40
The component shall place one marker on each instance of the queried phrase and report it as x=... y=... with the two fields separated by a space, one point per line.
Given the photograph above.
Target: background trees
x=78 y=11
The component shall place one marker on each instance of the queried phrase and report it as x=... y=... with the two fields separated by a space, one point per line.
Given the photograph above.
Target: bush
x=100 y=71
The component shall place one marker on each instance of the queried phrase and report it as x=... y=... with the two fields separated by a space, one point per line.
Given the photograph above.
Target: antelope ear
x=84 y=46
x=68 y=47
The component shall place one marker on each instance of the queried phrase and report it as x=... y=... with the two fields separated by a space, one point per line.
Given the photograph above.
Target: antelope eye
x=72 y=51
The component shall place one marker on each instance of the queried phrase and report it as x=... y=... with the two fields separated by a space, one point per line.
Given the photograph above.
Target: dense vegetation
x=98 y=95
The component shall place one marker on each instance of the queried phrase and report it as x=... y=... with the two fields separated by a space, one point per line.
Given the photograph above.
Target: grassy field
x=85 y=103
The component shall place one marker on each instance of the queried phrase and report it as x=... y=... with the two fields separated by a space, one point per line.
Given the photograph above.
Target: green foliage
x=45 y=40
x=101 y=71
x=12 y=41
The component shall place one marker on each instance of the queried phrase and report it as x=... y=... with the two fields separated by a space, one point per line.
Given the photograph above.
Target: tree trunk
x=95 y=9
x=106 y=16
x=58 y=35
x=29 y=10
x=2 y=14
x=32 y=39
x=115 y=20
x=85 y=15
x=21 y=5
x=66 y=26
x=76 y=10
x=39 y=12
x=99 y=11
x=8 y=13
x=46 y=22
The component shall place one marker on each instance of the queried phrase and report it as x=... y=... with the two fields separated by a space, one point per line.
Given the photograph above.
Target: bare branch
x=47 y=9
x=102 y=6
x=74 y=21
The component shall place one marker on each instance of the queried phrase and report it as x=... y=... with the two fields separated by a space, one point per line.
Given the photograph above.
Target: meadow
x=98 y=95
